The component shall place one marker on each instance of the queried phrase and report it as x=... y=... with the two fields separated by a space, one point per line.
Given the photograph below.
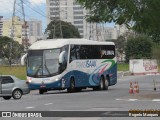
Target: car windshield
x=43 y=62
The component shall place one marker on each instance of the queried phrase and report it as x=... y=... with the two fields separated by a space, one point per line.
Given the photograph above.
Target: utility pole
x=18 y=12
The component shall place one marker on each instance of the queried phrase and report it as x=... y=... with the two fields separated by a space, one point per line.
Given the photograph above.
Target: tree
x=68 y=30
x=141 y=15
x=139 y=47
x=10 y=49
x=120 y=43
x=156 y=53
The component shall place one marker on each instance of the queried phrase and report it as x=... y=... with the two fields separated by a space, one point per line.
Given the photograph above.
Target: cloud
x=37 y=2
x=6 y=6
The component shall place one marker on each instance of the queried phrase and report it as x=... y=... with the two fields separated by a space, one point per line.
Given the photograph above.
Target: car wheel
x=7 y=97
x=17 y=94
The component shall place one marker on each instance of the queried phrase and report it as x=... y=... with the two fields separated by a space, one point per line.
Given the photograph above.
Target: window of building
x=80 y=31
x=78 y=22
x=78 y=12
x=78 y=17
x=77 y=8
x=79 y=27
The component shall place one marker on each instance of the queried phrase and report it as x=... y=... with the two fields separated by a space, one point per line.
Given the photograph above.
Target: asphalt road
x=116 y=98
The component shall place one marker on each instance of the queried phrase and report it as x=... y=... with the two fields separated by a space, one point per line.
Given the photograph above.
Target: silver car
x=10 y=86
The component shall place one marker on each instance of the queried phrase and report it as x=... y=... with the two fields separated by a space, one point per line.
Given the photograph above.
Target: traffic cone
x=131 y=88
x=135 y=88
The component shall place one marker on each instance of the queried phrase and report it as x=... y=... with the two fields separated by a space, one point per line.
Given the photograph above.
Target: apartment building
x=33 y=30
x=70 y=11
x=1 y=25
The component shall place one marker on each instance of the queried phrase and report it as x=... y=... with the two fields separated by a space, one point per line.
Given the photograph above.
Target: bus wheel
x=106 y=84
x=72 y=86
x=78 y=89
x=100 y=86
x=102 y=81
x=41 y=91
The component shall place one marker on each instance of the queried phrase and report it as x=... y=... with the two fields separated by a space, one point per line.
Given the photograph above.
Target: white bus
x=71 y=64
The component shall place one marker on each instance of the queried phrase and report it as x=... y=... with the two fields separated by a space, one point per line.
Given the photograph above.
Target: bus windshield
x=43 y=62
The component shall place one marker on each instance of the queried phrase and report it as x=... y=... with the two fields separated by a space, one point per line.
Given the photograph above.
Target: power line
x=37 y=6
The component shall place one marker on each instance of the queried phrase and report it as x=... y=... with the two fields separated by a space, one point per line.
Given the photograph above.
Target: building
x=70 y=11
x=1 y=25
x=112 y=33
x=35 y=30
x=32 y=29
x=17 y=30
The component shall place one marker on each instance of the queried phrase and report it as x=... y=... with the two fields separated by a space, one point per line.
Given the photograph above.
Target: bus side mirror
x=23 y=59
x=62 y=57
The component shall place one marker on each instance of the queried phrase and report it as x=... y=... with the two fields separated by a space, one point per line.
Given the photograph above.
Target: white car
x=11 y=86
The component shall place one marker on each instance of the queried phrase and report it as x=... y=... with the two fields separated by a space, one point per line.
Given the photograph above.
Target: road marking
x=48 y=104
x=127 y=99
x=30 y=107
x=119 y=99
x=132 y=99
x=158 y=100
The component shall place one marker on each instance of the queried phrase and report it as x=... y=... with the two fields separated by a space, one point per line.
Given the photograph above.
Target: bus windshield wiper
x=46 y=67
x=39 y=67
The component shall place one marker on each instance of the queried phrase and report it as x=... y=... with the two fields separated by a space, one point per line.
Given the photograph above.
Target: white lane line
x=158 y=100
x=127 y=99
x=132 y=99
x=30 y=107
x=119 y=99
x=48 y=104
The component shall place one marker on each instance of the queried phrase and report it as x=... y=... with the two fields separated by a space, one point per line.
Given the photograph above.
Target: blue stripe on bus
x=82 y=79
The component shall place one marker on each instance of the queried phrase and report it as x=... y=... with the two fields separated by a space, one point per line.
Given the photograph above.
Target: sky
x=33 y=9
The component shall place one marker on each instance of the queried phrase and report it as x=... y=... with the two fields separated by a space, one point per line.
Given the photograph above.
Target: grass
x=123 y=67
x=20 y=71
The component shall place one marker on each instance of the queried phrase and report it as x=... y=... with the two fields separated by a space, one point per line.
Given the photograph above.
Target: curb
x=127 y=73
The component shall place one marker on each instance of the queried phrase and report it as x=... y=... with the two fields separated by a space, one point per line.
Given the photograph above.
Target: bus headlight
x=28 y=80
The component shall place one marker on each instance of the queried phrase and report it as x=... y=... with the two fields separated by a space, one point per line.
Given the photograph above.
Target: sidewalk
x=127 y=73
x=146 y=94
x=123 y=73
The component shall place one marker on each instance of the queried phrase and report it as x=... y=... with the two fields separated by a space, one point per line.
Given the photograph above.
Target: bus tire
x=96 y=88
x=102 y=81
x=71 y=89
x=100 y=86
x=106 y=83
x=41 y=91
x=78 y=89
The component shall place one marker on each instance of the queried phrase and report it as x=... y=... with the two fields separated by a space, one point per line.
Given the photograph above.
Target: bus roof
x=57 y=43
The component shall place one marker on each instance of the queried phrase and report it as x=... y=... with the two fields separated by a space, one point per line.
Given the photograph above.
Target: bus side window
x=72 y=53
x=107 y=52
